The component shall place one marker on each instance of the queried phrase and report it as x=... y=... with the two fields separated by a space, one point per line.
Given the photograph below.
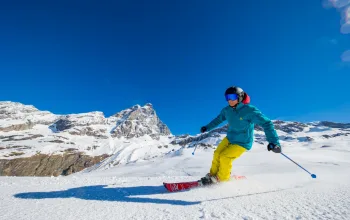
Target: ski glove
x=275 y=148
x=203 y=129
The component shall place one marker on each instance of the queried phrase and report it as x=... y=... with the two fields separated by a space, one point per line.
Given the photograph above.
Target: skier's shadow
x=105 y=193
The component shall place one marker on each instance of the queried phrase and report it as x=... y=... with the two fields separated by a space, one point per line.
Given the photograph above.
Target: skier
x=241 y=117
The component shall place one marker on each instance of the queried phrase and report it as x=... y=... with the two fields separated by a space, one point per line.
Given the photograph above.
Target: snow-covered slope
x=274 y=188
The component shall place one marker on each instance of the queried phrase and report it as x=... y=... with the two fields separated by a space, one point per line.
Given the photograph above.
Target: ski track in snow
x=144 y=198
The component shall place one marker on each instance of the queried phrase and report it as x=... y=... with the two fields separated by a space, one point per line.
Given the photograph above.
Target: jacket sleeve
x=216 y=121
x=260 y=119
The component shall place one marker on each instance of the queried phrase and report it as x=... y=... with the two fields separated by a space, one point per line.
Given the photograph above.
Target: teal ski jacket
x=241 y=121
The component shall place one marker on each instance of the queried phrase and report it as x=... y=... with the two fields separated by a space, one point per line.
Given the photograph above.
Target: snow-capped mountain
x=34 y=142
x=137 y=122
x=83 y=139
x=15 y=116
x=289 y=132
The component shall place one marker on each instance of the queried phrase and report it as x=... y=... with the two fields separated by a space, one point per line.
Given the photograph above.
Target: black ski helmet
x=235 y=90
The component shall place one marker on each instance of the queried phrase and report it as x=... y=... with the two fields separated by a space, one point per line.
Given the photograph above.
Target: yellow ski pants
x=224 y=154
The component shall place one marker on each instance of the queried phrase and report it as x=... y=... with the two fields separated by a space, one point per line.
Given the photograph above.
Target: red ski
x=173 y=187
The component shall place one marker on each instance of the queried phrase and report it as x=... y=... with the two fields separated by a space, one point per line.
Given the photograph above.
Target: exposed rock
x=137 y=122
x=183 y=136
x=334 y=124
x=286 y=138
x=89 y=132
x=61 y=137
x=305 y=139
x=70 y=149
x=96 y=133
x=19 y=147
x=56 y=141
x=12 y=137
x=335 y=135
x=289 y=127
x=309 y=138
x=13 y=112
x=14 y=153
x=62 y=124
x=17 y=127
x=155 y=136
x=70 y=121
x=93 y=147
x=44 y=165
x=205 y=145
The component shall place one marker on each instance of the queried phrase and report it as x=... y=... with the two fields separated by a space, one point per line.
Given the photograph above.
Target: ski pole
x=312 y=175
x=194 y=149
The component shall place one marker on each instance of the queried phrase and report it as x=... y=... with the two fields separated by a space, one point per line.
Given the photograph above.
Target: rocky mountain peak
x=149 y=105
x=138 y=121
x=135 y=112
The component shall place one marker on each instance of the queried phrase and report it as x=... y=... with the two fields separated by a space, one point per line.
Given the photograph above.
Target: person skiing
x=241 y=117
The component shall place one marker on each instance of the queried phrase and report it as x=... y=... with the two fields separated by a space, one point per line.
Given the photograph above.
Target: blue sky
x=81 y=56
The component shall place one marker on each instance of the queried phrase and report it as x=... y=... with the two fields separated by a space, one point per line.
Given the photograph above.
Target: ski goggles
x=231 y=97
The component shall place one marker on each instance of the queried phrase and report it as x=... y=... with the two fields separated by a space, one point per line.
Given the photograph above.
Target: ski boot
x=208 y=180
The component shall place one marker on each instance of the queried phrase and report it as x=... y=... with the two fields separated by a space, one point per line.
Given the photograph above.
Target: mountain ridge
x=131 y=135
